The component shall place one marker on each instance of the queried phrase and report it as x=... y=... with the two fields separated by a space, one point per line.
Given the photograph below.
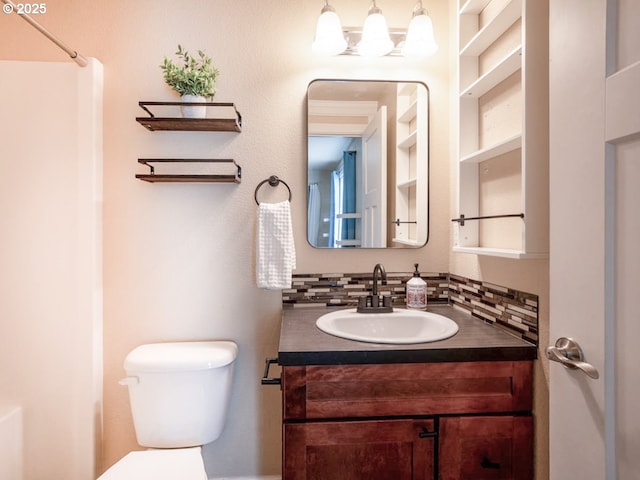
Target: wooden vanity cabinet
x=448 y=421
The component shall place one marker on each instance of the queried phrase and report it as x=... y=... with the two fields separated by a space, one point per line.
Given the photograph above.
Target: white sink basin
x=401 y=326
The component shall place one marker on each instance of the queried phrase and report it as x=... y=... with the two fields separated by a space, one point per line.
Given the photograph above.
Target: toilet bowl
x=179 y=396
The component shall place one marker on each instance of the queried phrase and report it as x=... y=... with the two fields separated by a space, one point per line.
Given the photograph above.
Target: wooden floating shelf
x=188 y=178
x=217 y=124
x=189 y=124
x=154 y=177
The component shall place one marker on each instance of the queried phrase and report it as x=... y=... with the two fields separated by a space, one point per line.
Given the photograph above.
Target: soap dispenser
x=416 y=292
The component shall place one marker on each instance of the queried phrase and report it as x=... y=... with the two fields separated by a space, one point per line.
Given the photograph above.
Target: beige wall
x=178 y=259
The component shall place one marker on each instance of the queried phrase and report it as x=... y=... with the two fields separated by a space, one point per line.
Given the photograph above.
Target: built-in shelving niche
x=503 y=128
x=221 y=117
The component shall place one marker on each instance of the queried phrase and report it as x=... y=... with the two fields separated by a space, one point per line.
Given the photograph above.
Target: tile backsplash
x=514 y=311
x=511 y=310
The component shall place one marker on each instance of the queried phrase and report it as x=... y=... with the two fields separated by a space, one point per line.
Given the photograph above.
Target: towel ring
x=274 y=181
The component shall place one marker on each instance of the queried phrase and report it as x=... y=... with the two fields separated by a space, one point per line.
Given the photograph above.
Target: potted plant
x=194 y=80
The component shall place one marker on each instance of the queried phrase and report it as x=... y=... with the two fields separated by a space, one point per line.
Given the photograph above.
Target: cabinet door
x=486 y=448
x=359 y=450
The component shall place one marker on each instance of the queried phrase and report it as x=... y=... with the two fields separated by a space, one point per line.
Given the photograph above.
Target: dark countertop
x=302 y=343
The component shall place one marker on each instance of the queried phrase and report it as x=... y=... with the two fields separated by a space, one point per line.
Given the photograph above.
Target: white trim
x=342 y=108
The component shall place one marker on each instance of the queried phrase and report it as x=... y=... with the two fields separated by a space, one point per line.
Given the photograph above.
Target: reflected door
x=374 y=178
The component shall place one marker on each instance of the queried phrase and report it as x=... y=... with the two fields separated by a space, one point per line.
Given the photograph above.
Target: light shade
x=329 y=37
x=375 y=40
x=420 y=39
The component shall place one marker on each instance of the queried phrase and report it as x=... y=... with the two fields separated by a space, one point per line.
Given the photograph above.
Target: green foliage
x=196 y=76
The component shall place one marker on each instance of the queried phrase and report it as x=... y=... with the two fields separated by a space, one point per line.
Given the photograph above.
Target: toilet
x=179 y=395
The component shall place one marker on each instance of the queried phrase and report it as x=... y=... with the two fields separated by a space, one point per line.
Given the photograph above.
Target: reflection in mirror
x=367 y=164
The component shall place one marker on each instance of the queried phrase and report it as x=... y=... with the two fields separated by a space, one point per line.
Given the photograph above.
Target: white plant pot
x=199 y=111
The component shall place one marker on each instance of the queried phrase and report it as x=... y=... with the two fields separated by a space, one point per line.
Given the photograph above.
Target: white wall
x=50 y=257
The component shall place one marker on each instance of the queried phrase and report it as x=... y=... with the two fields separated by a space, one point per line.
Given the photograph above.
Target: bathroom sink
x=400 y=326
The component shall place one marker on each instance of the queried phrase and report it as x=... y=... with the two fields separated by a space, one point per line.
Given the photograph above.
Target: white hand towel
x=275 y=252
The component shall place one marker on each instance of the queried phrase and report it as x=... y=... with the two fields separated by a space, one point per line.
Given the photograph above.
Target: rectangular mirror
x=367 y=164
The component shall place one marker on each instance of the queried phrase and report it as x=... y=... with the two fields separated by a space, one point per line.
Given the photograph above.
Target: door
x=595 y=226
x=374 y=178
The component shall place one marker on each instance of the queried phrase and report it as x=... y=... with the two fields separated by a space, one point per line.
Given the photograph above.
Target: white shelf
x=473 y=6
x=500 y=252
x=508 y=145
x=409 y=114
x=503 y=70
x=408 y=141
x=411 y=243
x=492 y=30
x=348 y=243
x=407 y=183
x=406 y=88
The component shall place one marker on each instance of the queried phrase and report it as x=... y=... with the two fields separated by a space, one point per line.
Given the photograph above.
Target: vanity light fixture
x=375 y=39
x=329 y=37
x=420 y=39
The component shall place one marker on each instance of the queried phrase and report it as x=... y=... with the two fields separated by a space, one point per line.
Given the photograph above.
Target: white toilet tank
x=179 y=392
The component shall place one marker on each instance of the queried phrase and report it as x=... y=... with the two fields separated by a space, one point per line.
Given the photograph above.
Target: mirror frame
x=422 y=158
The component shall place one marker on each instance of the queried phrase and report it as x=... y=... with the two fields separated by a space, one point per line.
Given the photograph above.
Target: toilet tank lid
x=180 y=356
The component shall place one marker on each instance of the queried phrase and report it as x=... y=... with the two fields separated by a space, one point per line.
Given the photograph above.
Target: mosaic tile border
x=511 y=310
x=514 y=311
x=346 y=288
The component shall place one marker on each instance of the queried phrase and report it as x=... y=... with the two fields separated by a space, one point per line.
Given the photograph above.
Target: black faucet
x=378 y=269
x=375 y=303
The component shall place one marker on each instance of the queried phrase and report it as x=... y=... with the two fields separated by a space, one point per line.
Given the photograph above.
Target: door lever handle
x=568 y=352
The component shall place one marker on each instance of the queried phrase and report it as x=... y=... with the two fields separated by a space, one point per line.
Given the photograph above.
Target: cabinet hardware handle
x=486 y=463
x=265 y=378
x=427 y=434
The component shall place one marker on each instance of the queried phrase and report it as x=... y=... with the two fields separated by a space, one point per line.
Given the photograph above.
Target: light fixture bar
x=353 y=35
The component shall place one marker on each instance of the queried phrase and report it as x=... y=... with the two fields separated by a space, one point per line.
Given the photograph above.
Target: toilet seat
x=170 y=464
